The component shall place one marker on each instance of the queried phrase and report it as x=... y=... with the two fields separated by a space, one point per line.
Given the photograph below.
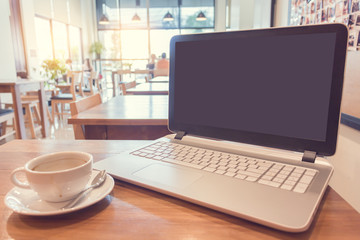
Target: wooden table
x=149 y=89
x=132 y=212
x=159 y=79
x=14 y=86
x=125 y=71
x=125 y=117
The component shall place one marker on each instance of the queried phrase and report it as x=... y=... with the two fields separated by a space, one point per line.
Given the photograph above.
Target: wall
x=89 y=25
x=262 y=13
x=220 y=15
x=351 y=93
x=346 y=162
x=281 y=13
x=249 y=14
x=7 y=60
x=27 y=14
x=347 y=157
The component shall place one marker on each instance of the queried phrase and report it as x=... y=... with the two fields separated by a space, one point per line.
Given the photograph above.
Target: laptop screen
x=275 y=87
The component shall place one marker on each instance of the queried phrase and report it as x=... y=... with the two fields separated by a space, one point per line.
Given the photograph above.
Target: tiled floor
x=58 y=130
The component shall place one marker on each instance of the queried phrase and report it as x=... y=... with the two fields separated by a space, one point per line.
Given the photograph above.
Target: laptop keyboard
x=274 y=174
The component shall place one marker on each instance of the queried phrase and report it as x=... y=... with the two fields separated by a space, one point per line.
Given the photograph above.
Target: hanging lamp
x=168 y=17
x=104 y=20
x=201 y=16
x=136 y=17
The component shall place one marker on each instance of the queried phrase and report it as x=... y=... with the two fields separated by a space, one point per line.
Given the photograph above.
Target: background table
x=14 y=87
x=125 y=117
x=159 y=79
x=120 y=73
x=149 y=89
x=132 y=212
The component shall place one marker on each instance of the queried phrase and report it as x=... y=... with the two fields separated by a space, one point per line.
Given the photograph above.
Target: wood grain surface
x=132 y=212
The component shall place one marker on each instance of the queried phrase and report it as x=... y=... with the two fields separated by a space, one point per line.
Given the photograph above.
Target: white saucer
x=27 y=202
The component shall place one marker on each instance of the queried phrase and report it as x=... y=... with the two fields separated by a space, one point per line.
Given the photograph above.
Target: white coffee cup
x=56 y=177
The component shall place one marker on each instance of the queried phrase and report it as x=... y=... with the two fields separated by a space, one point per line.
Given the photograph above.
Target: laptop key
x=300 y=188
x=230 y=174
x=240 y=176
x=286 y=187
x=220 y=171
x=210 y=169
x=251 y=179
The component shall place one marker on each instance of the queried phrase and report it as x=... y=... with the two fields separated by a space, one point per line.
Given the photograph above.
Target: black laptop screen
x=240 y=85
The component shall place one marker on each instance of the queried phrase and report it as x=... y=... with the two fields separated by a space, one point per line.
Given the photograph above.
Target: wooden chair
x=68 y=94
x=80 y=106
x=127 y=85
x=33 y=96
x=32 y=114
x=93 y=84
x=5 y=116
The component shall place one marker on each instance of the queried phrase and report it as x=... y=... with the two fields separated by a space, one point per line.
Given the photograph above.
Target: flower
x=53 y=68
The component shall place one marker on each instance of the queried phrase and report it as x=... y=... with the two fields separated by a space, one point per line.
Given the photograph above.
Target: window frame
x=67 y=25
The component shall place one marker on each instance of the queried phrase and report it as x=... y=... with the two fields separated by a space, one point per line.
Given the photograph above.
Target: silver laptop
x=254 y=113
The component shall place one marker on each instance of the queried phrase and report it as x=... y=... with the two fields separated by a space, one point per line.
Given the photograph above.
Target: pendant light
x=104 y=19
x=201 y=16
x=136 y=17
x=168 y=17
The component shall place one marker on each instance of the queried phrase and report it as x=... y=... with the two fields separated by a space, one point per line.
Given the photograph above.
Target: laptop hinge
x=309 y=156
x=180 y=135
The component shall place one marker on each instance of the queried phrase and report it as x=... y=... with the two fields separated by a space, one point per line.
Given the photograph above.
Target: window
x=75 y=47
x=190 y=10
x=43 y=39
x=111 y=41
x=157 y=11
x=129 y=9
x=58 y=40
x=132 y=42
x=160 y=41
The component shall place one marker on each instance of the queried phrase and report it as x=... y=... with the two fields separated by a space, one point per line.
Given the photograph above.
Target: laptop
x=254 y=114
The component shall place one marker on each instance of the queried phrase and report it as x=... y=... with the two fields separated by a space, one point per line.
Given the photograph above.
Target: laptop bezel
x=327 y=147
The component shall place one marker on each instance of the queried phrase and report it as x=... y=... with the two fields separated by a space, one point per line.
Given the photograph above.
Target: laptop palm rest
x=167 y=175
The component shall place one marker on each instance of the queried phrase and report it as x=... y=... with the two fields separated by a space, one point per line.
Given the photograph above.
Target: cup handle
x=16 y=181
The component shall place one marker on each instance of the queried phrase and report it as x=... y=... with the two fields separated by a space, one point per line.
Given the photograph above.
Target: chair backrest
x=91 y=78
x=85 y=103
x=77 y=81
x=80 y=106
x=161 y=72
x=127 y=85
x=5 y=115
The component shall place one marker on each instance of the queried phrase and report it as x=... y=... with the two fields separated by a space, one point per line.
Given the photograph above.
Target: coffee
x=58 y=165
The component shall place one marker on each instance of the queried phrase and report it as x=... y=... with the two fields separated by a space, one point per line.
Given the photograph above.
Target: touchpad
x=167 y=175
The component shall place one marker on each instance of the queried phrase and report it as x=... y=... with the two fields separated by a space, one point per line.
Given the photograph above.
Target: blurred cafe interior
x=115 y=53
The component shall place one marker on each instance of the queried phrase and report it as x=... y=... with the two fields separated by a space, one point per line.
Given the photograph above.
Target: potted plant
x=53 y=69
x=97 y=48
